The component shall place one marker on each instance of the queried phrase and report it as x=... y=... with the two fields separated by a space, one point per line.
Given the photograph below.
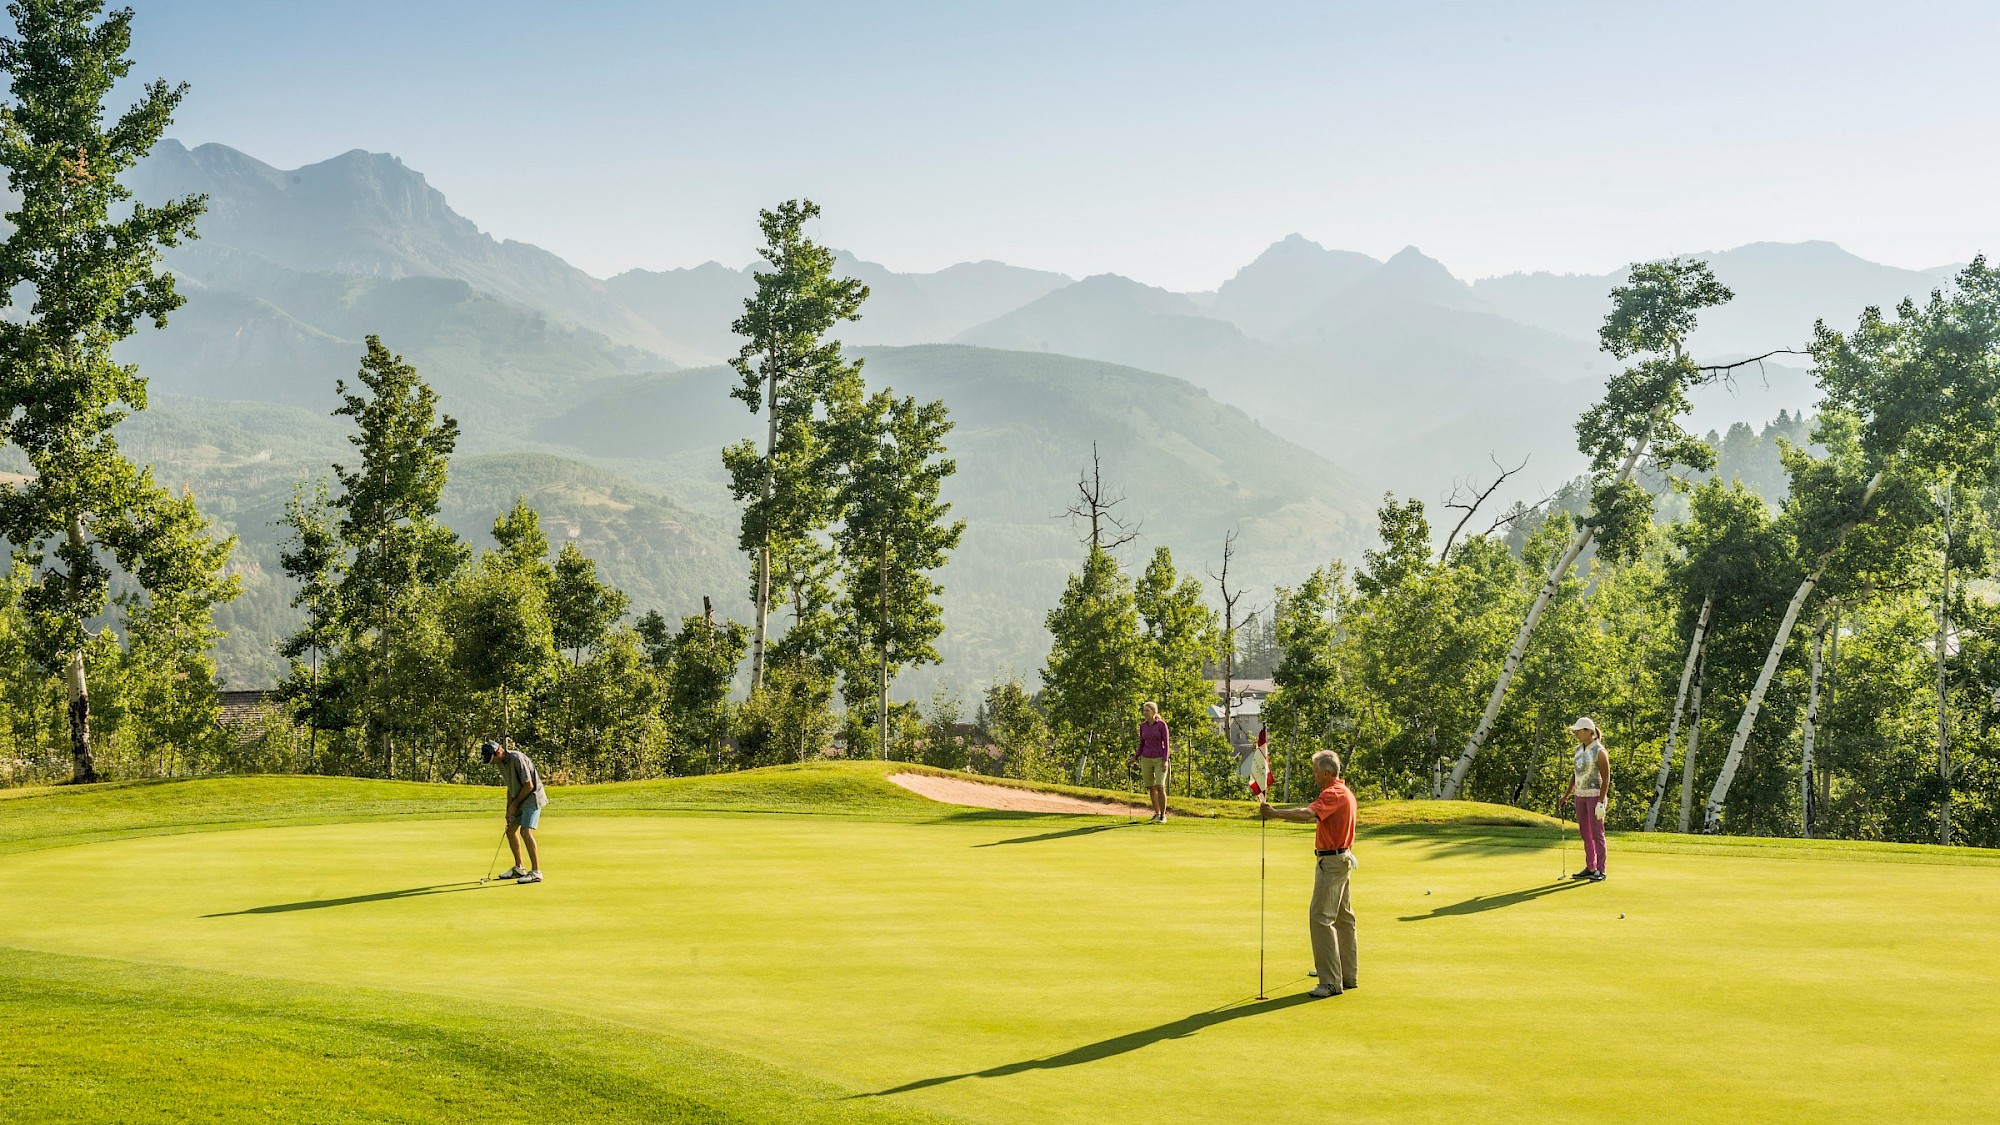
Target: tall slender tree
x=1651 y=316
x=86 y=257
x=313 y=557
x=388 y=510
x=790 y=371
x=1182 y=639
x=894 y=535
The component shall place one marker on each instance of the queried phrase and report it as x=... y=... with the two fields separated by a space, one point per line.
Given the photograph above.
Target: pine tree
x=89 y=254
x=582 y=608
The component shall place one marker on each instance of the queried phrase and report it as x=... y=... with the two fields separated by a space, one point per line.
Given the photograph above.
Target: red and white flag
x=1255 y=767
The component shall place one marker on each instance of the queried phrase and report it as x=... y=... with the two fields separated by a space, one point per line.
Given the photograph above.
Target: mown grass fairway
x=909 y=961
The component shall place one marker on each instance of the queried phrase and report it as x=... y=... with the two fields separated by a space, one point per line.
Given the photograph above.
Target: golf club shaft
x=496 y=857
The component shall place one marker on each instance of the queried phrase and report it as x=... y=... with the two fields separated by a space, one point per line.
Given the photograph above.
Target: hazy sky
x=1167 y=142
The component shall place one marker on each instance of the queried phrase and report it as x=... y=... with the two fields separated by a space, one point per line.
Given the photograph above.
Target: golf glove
x=1600 y=811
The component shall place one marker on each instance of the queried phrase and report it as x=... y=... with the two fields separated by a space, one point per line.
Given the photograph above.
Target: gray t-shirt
x=518 y=770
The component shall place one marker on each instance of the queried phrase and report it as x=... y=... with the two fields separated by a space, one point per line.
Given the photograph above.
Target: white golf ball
x=1621 y=916
x=1427 y=890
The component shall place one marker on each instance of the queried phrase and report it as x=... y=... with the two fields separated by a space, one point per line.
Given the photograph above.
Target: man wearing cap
x=1335 y=958
x=525 y=797
x=1589 y=790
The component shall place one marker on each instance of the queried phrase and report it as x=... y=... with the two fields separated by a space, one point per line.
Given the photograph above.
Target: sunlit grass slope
x=717 y=948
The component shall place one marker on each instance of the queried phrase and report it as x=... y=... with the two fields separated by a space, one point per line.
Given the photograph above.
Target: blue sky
x=1167 y=142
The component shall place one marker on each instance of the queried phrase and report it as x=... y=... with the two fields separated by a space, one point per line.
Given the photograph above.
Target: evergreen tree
x=789 y=371
x=89 y=255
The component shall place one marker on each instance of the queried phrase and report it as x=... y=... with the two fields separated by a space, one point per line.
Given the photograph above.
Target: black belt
x=1329 y=851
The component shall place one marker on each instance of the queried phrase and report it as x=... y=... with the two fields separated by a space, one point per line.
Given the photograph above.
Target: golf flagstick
x=1263 y=823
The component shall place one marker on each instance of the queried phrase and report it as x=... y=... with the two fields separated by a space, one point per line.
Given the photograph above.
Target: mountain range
x=1280 y=404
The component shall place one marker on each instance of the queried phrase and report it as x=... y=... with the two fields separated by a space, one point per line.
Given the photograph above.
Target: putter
x=1562 y=840
x=488 y=877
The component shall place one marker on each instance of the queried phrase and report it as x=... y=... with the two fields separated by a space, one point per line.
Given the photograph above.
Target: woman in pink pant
x=1590 y=790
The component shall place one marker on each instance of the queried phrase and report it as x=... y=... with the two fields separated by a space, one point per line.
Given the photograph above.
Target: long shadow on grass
x=1483 y=903
x=1062 y=835
x=1116 y=1045
x=353 y=900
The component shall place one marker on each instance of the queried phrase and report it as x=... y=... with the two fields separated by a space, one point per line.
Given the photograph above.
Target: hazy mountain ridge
x=1400 y=372
x=1190 y=469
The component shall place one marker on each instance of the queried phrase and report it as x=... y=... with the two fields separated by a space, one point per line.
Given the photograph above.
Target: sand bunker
x=980 y=795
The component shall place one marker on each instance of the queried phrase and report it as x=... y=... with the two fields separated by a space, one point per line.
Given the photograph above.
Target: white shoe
x=530 y=877
x=514 y=872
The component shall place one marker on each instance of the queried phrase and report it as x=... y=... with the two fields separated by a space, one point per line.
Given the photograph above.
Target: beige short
x=1152 y=773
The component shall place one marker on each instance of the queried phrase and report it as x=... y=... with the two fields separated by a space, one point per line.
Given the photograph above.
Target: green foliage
x=893 y=536
x=1095 y=677
x=1011 y=720
x=582 y=609
x=788 y=720
x=87 y=257
x=1182 y=638
x=700 y=661
x=792 y=374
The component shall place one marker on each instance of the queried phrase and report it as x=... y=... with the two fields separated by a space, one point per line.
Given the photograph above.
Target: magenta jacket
x=1153 y=740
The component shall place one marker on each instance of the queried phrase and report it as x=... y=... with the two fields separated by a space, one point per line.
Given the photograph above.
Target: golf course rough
x=815 y=944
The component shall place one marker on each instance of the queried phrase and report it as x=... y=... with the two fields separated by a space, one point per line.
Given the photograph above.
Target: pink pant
x=1592 y=831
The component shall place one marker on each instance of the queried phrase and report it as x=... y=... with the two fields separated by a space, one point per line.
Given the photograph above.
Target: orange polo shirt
x=1335 y=810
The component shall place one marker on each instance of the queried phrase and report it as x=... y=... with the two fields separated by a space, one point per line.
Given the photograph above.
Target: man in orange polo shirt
x=1332 y=912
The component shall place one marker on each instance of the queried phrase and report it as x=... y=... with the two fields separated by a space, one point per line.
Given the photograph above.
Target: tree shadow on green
x=1116 y=1045
x=1062 y=835
x=354 y=900
x=1483 y=903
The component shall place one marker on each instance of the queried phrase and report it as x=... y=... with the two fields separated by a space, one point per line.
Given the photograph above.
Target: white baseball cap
x=1586 y=723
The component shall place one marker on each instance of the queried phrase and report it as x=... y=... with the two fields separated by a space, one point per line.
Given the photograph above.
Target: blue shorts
x=530 y=814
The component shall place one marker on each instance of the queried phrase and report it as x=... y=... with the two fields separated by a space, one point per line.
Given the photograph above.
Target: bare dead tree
x=1471 y=507
x=1229 y=601
x=1094 y=504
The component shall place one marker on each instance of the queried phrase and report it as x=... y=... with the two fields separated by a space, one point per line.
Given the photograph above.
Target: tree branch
x=1477 y=500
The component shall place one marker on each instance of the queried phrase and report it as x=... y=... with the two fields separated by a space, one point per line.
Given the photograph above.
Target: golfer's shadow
x=1116 y=1045
x=353 y=900
x=1483 y=903
x=1062 y=835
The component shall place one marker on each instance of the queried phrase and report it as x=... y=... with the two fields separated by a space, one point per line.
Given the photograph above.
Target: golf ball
x=1427 y=890
x=1621 y=916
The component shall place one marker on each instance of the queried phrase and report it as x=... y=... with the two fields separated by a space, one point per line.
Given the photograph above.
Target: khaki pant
x=1332 y=918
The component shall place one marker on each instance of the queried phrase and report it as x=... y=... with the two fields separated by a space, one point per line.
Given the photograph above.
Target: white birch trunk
x=1811 y=733
x=1515 y=655
x=83 y=764
x=764 y=549
x=1674 y=725
x=1694 y=740
x=1944 y=697
x=1712 y=814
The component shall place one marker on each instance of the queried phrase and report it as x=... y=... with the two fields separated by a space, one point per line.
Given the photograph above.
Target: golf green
x=1007 y=968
